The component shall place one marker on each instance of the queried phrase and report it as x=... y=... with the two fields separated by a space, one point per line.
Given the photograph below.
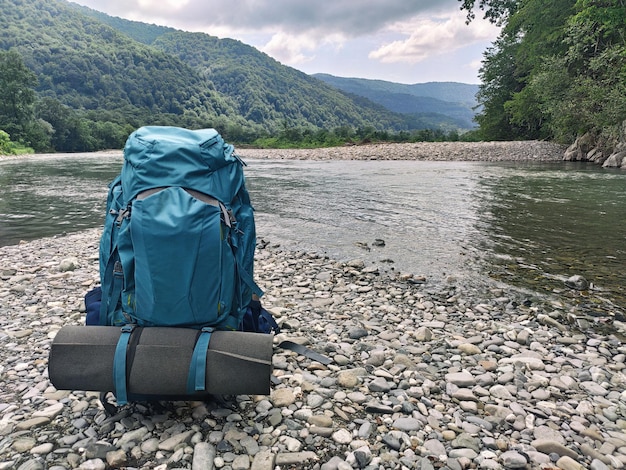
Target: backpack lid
x=156 y=156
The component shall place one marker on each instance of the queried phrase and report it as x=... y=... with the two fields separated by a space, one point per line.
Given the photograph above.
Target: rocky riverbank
x=443 y=151
x=420 y=378
x=531 y=150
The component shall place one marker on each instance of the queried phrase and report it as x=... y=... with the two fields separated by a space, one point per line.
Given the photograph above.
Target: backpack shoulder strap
x=247 y=278
x=112 y=297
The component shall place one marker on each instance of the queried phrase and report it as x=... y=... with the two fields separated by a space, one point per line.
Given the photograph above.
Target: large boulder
x=597 y=155
x=617 y=159
x=578 y=151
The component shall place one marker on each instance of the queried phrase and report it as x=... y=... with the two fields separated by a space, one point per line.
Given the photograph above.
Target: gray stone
x=135 y=436
x=116 y=458
x=357 y=333
x=461 y=379
x=282 y=397
x=295 y=458
x=342 y=436
x=363 y=456
x=409 y=393
x=264 y=460
x=407 y=424
x=569 y=463
x=423 y=334
x=379 y=384
x=548 y=446
x=512 y=459
x=577 y=282
x=434 y=447
x=171 y=443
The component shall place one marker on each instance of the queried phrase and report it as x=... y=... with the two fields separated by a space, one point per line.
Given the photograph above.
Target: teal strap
x=247 y=278
x=196 y=378
x=118 y=283
x=111 y=299
x=119 y=364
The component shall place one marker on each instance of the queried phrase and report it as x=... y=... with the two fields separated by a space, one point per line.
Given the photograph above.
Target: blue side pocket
x=93 y=298
x=258 y=320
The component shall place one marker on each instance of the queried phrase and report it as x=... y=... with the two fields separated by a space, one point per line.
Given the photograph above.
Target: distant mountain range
x=130 y=73
x=451 y=99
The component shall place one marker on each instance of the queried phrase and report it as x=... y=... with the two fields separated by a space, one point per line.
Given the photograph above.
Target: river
x=528 y=226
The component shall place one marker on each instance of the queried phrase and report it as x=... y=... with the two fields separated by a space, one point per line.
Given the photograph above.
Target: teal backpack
x=179 y=235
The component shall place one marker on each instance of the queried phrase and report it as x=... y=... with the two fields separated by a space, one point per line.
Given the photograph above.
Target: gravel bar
x=421 y=377
x=533 y=150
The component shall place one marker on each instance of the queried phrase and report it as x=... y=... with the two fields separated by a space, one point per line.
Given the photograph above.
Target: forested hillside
x=557 y=71
x=267 y=92
x=95 y=84
x=96 y=78
x=264 y=90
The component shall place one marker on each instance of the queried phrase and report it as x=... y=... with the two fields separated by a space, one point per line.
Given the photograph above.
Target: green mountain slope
x=222 y=59
x=99 y=77
x=88 y=65
x=264 y=90
x=454 y=100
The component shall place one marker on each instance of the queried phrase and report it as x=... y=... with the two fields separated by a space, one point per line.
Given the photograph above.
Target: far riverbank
x=535 y=151
x=516 y=151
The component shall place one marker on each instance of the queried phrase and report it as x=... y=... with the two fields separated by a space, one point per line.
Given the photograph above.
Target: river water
x=523 y=225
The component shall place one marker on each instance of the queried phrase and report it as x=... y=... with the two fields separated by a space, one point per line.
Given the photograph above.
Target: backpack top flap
x=156 y=156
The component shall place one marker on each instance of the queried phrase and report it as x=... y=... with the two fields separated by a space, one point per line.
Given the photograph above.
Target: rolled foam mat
x=238 y=363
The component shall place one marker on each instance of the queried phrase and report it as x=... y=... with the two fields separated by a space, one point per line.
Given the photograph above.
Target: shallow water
x=527 y=225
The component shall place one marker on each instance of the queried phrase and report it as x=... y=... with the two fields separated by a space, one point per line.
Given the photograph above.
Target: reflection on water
x=528 y=225
x=47 y=195
x=546 y=224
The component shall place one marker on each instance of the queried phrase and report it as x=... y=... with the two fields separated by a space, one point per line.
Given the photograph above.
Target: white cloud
x=428 y=37
x=296 y=49
x=162 y=6
x=290 y=50
x=348 y=17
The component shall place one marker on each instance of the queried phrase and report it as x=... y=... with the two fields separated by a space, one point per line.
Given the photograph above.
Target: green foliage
x=557 y=70
x=6 y=147
x=151 y=74
x=308 y=138
x=16 y=94
x=496 y=11
x=141 y=32
x=268 y=94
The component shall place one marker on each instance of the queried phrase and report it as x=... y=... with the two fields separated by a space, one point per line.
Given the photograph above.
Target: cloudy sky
x=405 y=41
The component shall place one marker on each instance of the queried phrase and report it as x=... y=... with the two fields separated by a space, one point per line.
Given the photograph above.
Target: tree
x=6 y=147
x=596 y=60
x=496 y=11
x=538 y=28
x=17 y=95
x=557 y=70
x=58 y=116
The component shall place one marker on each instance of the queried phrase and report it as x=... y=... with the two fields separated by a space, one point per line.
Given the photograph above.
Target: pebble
x=420 y=375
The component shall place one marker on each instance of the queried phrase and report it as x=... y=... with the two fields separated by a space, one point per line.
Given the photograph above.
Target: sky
x=403 y=41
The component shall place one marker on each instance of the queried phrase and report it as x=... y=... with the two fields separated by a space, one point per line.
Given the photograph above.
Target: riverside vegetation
x=422 y=376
